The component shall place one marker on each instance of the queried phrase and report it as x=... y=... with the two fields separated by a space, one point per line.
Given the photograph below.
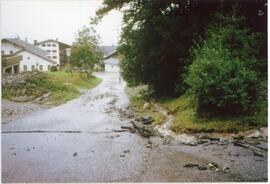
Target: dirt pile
x=21 y=88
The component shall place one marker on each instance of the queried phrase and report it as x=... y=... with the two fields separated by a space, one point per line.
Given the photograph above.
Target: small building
x=20 y=56
x=55 y=49
x=111 y=65
x=111 y=59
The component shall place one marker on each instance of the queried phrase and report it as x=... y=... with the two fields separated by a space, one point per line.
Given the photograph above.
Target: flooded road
x=77 y=142
x=74 y=142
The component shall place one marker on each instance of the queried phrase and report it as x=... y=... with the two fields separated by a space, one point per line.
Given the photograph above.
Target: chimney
x=35 y=42
x=26 y=39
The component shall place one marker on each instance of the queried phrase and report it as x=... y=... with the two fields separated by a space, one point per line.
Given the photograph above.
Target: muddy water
x=76 y=142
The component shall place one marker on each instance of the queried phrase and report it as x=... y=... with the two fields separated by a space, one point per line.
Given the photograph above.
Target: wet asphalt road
x=75 y=142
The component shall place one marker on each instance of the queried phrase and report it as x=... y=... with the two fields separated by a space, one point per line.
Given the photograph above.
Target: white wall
x=7 y=47
x=48 y=47
x=30 y=59
x=111 y=68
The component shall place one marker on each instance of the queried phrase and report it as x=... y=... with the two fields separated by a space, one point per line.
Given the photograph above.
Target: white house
x=55 y=50
x=112 y=65
x=111 y=59
x=19 y=56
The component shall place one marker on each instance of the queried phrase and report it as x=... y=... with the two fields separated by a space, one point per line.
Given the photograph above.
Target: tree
x=222 y=78
x=85 y=51
x=157 y=36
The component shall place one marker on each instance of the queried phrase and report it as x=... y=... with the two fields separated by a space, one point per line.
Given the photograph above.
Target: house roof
x=111 y=61
x=108 y=50
x=48 y=40
x=29 y=48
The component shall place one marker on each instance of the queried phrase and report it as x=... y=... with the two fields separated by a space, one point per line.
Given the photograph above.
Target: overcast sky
x=42 y=20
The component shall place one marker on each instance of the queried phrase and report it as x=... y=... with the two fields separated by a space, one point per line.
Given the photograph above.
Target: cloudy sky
x=56 y=19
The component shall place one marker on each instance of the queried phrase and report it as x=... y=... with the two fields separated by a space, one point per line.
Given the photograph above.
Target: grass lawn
x=66 y=86
x=186 y=120
x=62 y=86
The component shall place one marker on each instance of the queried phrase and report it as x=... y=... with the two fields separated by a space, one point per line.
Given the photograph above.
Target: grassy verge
x=137 y=103
x=186 y=120
x=62 y=86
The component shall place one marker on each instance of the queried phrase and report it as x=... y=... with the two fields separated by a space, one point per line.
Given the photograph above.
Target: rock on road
x=75 y=142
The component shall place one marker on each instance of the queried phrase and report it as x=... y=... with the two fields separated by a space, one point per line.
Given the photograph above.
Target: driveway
x=76 y=142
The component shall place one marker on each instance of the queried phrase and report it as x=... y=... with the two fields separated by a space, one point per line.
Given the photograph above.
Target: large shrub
x=222 y=78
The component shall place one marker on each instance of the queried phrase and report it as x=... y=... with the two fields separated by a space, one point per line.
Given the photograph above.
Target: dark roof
x=108 y=50
x=28 y=47
x=54 y=41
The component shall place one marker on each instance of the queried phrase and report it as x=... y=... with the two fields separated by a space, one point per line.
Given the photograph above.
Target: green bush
x=53 y=69
x=222 y=78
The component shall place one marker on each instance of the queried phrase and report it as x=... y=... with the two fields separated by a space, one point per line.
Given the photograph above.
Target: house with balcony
x=20 y=56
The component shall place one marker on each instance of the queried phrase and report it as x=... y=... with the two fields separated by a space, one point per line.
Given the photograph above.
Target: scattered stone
x=126 y=151
x=13 y=154
x=252 y=142
x=75 y=154
x=207 y=144
x=202 y=168
x=113 y=136
x=191 y=165
x=235 y=154
x=142 y=130
x=122 y=155
x=257 y=153
x=212 y=166
x=187 y=139
x=126 y=127
x=225 y=169
x=238 y=137
x=214 y=139
x=148 y=145
x=166 y=141
x=123 y=130
x=146 y=106
x=264 y=132
x=203 y=141
x=28 y=149
x=130 y=116
x=132 y=131
x=256 y=134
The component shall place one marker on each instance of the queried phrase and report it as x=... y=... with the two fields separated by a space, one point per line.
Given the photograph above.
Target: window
x=25 y=67
x=40 y=67
x=28 y=58
x=53 y=50
x=11 y=52
x=49 y=67
x=48 y=51
x=112 y=66
x=43 y=45
x=2 y=52
x=48 y=45
x=33 y=67
x=49 y=57
x=53 y=45
x=54 y=57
